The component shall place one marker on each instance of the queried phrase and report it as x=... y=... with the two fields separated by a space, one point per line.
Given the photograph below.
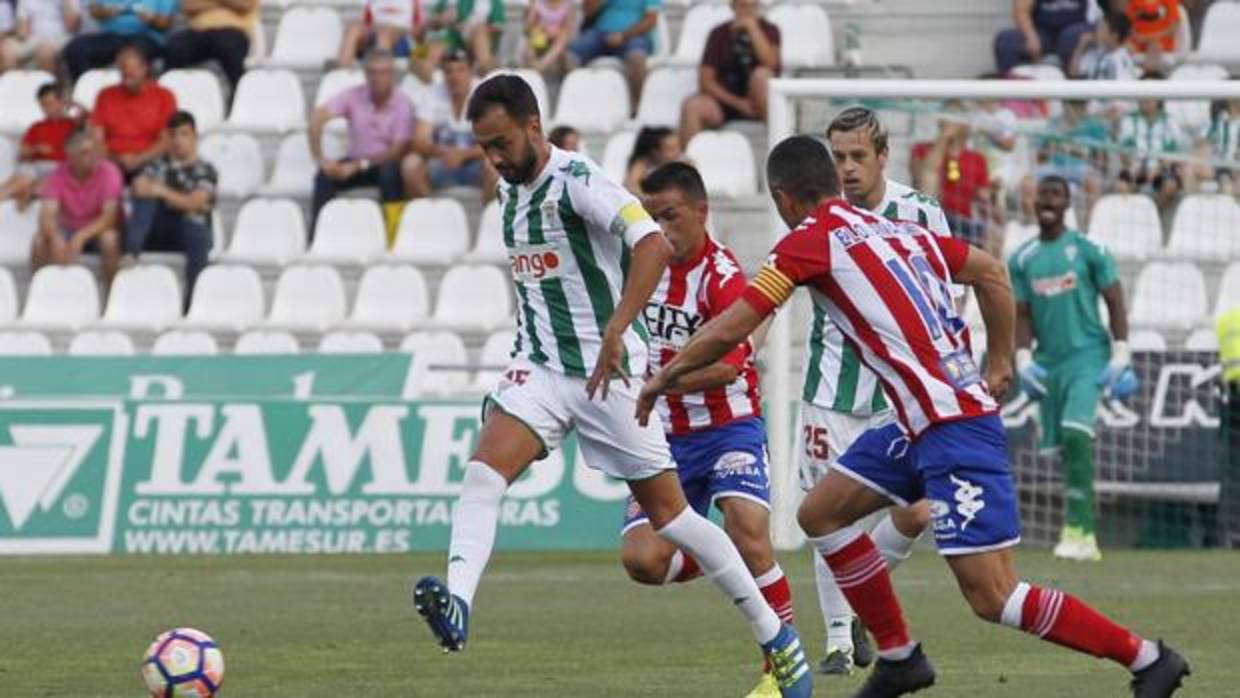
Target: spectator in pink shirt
x=381 y=121
x=80 y=209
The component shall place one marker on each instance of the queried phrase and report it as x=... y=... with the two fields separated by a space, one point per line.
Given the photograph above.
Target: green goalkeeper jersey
x=1061 y=282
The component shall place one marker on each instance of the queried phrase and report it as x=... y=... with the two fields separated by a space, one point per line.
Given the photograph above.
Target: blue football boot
x=788 y=664
x=446 y=614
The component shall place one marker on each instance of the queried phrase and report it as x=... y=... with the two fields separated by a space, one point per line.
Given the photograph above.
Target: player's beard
x=523 y=171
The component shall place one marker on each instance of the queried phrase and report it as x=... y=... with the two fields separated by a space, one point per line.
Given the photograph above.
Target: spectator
x=1043 y=27
x=654 y=146
x=43 y=27
x=129 y=118
x=565 y=138
x=470 y=25
x=398 y=26
x=1221 y=141
x=380 y=119
x=121 y=23
x=1144 y=135
x=1161 y=37
x=1103 y=53
x=8 y=20
x=80 y=208
x=549 y=25
x=619 y=28
x=741 y=56
x=447 y=155
x=218 y=30
x=956 y=175
x=1074 y=150
x=42 y=147
x=172 y=201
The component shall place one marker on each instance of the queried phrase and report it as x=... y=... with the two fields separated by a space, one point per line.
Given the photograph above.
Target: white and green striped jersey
x=1151 y=136
x=1223 y=135
x=568 y=234
x=835 y=379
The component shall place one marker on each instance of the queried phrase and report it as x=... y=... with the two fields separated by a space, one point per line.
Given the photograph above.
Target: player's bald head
x=802 y=168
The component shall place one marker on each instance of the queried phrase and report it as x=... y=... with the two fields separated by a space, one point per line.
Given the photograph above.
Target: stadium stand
x=144 y=298
x=1128 y=224
x=805 y=35
x=101 y=343
x=725 y=160
x=432 y=232
x=1219 y=32
x=228 y=298
x=307 y=299
x=197 y=92
x=24 y=344
x=268 y=100
x=1154 y=307
x=346 y=342
x=473 y=298
x=185 y=343
x=267 y=342
x=61 y=298
x=269 y=232
x=390 y=298
x=306 y=37
x=593 y=99
x=348 y=231
x=438 y=364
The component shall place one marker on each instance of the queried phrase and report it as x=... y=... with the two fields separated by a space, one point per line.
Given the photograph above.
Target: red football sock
x=689 y=569
x=863 y=578
x=777 y=592
x=1065 y=620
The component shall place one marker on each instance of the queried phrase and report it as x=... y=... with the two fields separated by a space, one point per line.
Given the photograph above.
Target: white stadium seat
x=1206 y=226
x=294 y=170
x=1202 y=339
x=18 y=89
x=350 y=343
x=238 y=159
x=496 y=354
x=616 y=154
x=8 y=158
x=336 y=81
x=266 y=342
x=308 y=298
x=226 y=297
x=1169 y=295
x=1147 y=340
x=489 y=241
x=536 y=82
x=1193 y=115
x=92 y=82
x=8 y=297
x=144 y=297
x=306 y=37
x=1127 y=225
x=24 y=344
x=696 y=27
x=663 y=91
x=185 y=343
x=436 y=358
x=197 y=92
x=725 y=160
x=101 y=343
x=390 y=298
x=348 y=231
x=804 y=35
x=17 y=231
x=1039 y=71
x=61 y=297
x=1219 y=30
x=432 y=231
x=268 y=232
x=474 y=298
x=1228 y=291
x=593 y=99
x=1016 y=234
x=268 y=100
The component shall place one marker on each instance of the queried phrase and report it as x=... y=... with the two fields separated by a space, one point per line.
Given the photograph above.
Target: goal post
x=1131 y=460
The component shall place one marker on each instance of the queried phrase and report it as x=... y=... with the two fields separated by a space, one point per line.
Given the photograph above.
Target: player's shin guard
x=1078 y=462
x=863 y=578
x=1065 y=620
x=473 y=528
x=778 y=593
x=716 y=554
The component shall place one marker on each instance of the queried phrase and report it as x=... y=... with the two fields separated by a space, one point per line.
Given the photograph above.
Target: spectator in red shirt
x=80 y=211
x=43 y=146
x=741 y=56
x=957 y=176
x=129 y=118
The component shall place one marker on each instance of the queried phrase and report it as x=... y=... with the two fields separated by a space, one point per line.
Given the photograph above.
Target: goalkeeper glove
x=1118 y=380
x=1032 y=376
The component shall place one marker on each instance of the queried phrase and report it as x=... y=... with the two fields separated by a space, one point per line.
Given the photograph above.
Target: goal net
x=1154 y=177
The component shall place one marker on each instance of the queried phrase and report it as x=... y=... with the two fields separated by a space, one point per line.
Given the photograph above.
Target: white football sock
x=674 y=566
x=1147 y=655
x=718 y=558
x=837 y=614
x=895 y=547
x=473 y=528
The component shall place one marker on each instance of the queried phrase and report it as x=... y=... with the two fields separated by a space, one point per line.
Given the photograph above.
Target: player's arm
x=721 y=292
x=1113 y=296
x=717 y=375
x=1024 y=327
x=989 y=279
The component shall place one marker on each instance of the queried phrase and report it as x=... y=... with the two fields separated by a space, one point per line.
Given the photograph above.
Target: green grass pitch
x=563 y=624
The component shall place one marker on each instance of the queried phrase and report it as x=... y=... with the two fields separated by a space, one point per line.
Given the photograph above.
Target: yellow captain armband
x=773 y=284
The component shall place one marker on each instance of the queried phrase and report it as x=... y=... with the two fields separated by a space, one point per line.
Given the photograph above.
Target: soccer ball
x=183 y=662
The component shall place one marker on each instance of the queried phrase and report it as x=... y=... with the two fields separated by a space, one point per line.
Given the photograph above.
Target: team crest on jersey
x=551 y=215
x=1070 y=253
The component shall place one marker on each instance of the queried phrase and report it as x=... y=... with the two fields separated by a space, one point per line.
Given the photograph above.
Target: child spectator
x=398 y=26
x=549 y=25
x=42 y=147
x=654 y=146
x=1145 y=134
x=1103 y=53
x=1161 y=37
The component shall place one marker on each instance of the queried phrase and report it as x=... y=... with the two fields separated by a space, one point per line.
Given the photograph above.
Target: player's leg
x=520 y=425
x=1076 y=434
x=648 y=558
